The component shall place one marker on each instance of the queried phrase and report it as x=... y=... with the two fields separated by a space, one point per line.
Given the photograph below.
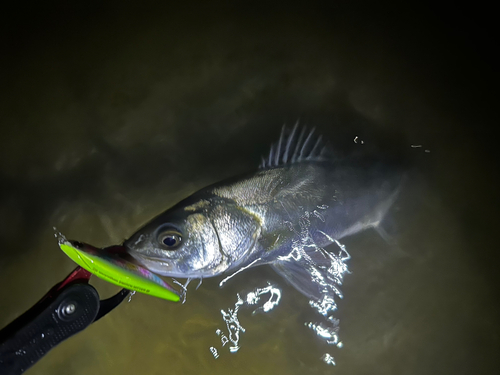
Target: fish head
x=194 y=240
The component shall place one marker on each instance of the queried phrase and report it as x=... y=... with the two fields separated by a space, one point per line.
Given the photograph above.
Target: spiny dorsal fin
x=296 y=146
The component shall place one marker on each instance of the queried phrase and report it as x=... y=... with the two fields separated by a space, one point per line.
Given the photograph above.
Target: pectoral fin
x=300 y=276
x=313 y=271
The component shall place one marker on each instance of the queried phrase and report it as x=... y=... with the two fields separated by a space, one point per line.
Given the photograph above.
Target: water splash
x=420 y=146
x=59 y=236
x=233 y=324
x=328 y=359
x=325 y=270
x=132 y=292
x=328 y=276
x=356 y=138
x=214 y=352
x=230 y=316
x=254 y=297
x=328 y=332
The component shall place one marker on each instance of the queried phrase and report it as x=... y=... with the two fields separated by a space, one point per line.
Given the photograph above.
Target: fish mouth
x=149 y=263
x=157 y=265
x=142 y=259
x=119 y=251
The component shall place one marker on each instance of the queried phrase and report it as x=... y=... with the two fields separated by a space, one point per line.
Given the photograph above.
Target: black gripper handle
x=28 y=338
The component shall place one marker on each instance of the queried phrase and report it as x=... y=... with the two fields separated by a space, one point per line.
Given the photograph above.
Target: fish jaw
x=142 y=249
x=164 y=267
x=149 y=257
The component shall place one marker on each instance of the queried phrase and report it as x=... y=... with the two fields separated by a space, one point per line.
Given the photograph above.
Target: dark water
x=111 y=115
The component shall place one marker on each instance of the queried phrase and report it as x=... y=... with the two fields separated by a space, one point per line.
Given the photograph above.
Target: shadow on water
x=111 y=115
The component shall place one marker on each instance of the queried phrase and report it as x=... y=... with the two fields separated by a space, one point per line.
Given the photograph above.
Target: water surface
x=111 y=116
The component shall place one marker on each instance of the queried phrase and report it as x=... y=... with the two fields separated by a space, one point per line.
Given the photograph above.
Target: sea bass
x=302 y=198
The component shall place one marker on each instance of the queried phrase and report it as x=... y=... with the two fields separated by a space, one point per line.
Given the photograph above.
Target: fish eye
x=170 y=239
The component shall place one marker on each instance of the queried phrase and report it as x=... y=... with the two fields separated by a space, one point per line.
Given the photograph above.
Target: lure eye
x=170 y=239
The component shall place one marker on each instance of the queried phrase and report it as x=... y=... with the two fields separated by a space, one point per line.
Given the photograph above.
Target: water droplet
x=328 y=359
x=130 y=296
x=214 y=352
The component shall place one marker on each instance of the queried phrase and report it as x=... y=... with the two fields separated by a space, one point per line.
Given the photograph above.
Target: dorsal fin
x=296 y=146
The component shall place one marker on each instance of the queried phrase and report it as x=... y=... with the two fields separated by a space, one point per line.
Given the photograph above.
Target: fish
x=301 y=198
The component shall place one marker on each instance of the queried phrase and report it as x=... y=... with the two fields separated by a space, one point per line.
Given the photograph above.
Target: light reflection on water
x=230 y=316
x=327 y=277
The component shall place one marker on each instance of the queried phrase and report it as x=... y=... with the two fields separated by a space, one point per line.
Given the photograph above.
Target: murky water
x=111 y=116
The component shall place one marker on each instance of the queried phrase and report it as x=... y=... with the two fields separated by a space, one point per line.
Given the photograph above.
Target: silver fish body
x=296 y=197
